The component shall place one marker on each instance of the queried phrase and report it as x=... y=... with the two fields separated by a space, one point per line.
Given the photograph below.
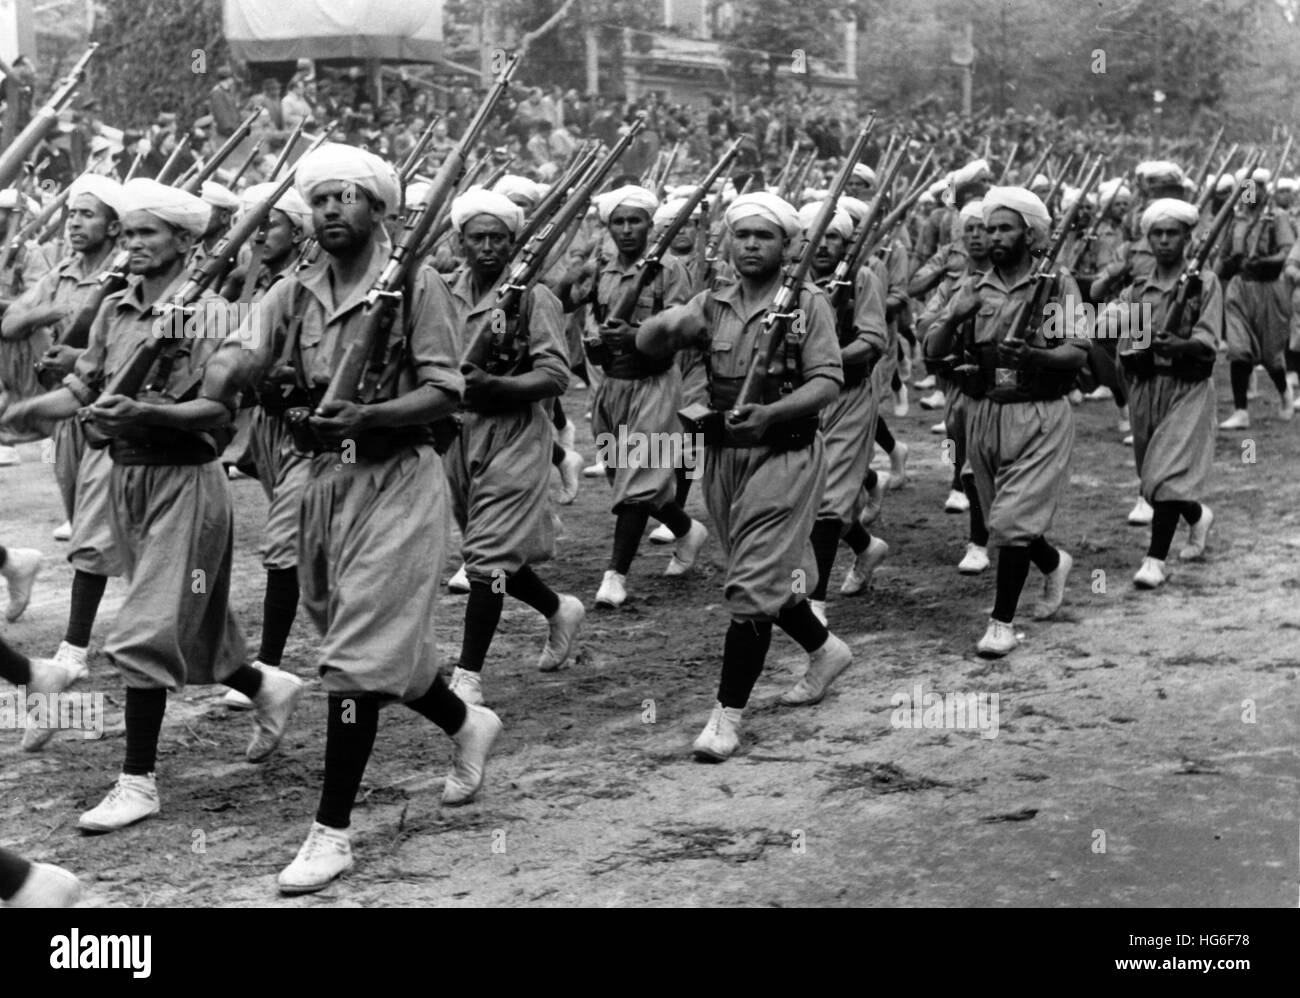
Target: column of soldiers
x=361 y=541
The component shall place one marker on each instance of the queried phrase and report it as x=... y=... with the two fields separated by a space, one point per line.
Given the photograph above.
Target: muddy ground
x=1145 y=752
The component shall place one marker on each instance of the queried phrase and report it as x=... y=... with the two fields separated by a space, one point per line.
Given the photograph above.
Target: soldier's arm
x=550 y=374
x=964 y=303
x=34 y=308
x=673 y=329
x=928 y=275
x=823 y=369
x=1071 y=353
x=1291 y=268
x=868 y=321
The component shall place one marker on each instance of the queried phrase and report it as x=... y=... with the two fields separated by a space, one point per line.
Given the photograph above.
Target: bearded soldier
x=497 y=468
x=1020 y=428
x=1172 y=400
x=765 y=465
x=373 y=519
x=170 y=507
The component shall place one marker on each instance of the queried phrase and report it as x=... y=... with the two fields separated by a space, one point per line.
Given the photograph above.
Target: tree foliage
x=767 y=35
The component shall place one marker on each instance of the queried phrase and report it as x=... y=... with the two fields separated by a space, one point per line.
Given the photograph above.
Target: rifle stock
x=45 y=118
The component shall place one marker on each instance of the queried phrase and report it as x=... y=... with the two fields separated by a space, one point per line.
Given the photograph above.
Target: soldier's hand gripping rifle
x=357 y=376
x=491 y=344
x=780 y=319
x=45 y=118
x=130 y=379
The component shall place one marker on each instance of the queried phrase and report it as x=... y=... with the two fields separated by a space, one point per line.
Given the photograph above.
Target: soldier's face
x=281 y=236
x=685 y=238
x=1284 y=199
x=858 y=188
x=1119 y=207
x=344 y=217
x=630 y=229
x=1008 y=236
x=485 y=241
x=153 y=245
x=976 y=237
x=829 y=253
x=757 y=247
x=1167 y=241
x=88 y=224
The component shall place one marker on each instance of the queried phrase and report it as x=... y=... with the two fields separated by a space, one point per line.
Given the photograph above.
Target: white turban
x=1169 y=210
x=333 y=161
x=972 y=210
x=174 y=206
x=670 y=209
x=416 y=192
x=218 y=196
x=864 y=173
x=680 y=191
x=936 y=189
x=1262 y=175
x=1112 y=189
x=1225 y=183
x=856 y=208
x=291 y=203
x=9 y=201
x=630 y=195
x=766 y=206
x=1288 y=183
x=477 y=201
x=514 y=185
x=977 y=169
x=106 y=190
x=811 y=194
x=1024 y=203
x=1159 y=172
x=1069 y=195
x=841 y=220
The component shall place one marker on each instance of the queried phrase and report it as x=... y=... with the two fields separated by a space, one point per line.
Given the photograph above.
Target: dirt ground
x=1145 y=752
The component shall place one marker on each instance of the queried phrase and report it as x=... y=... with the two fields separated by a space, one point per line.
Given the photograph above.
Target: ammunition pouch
x=625 y=365
x=710 y=421
x=371 y=445
x=1142 y=366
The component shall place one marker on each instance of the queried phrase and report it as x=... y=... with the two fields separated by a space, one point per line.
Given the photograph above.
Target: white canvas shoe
x=935 y=400
x=999 y=639
x=563 y=632
x=325 y=856
x=132 y=799
x=612 y=593
x=1239 y=420
x=473 y=743
x=721 y=736
x=1198 y=536
x=21 y=568
x=687 y=550
x=1151 y=574
x=925 y=384
x=898 y=466
x=63 y=532
x=467 y=685
x=956 y=502
x=570 y=482
x=939 y=429
x=824 y=666
x=1141 y=514
x=819 y=609
x=459 y=582
x=661 y=535
x=1054 y=588
x=1286 y=407
x=1099 y=394
x=861 y=572
x=975 y=561
x=900 y=402
x=9 y=456
x=49 y=677
x=272 y=708
x=875 y=500
x=596 y=470
x=46 y=886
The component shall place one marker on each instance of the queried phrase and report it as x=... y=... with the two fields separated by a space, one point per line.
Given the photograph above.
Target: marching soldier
x=765 y=467
x=372 y=532
x=639 y=395
x=1172 y=400
x=496 y=468
x=170 y=507
x=1020 y=428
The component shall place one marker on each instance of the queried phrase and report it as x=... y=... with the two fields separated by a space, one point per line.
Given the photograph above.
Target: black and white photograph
x=667 y=454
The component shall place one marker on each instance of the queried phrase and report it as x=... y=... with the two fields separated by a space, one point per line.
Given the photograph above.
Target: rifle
x=846 y=271
x=195 y=181
x=45 y=118
x=1205 y=163
x=1208 y=191
x=891 y=221
x=34 y=226
x=491 y=180
x=662 y=184
x=715 y=231
x=415 y=157
x=178 y=150
x=135 y=165
x=1006 y=167
x=287 y=149
x=252 y=155
x=1039 y=163
x=356 y=377
x=1266 y=215
x=784 y=175
x=555 y=196
x=652 y=263
x=1090 y=233
x=779 y=316
x=130 y=379
x=1056 y=184
x=533 y=257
